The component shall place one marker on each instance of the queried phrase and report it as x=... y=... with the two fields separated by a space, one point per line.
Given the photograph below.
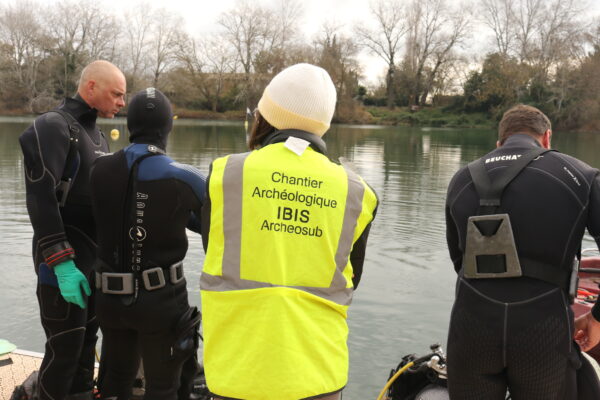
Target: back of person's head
x=523 y=119
x=300 y=97
x=149 y=118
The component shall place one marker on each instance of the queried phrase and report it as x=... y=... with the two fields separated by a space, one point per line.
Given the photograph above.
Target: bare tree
x=247 y=29
x=498 y=15
x=87 y=33
x=209 y=64
x=136 y=43
x=434 y=32
x=384 y=39
x=287 y=14
x=526 y=18
x=337 y=54
x=560 y=34
x=165 y=36
x=102 y=34
x=459 y=24
x=21 y=31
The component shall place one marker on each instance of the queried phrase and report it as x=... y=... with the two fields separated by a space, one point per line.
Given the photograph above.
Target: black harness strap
x=490 y=195
x=70 y=166
x=71 y=162
x=129 y=219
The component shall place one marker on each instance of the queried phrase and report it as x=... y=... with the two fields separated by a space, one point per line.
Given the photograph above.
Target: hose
x=393 y=378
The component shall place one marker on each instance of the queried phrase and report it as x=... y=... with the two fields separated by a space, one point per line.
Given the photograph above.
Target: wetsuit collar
x=79 y=109
x=521 y=140
x=137 y=150
x=316 y=143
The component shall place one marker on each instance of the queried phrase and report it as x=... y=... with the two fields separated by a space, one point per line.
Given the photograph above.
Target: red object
x=587 y=293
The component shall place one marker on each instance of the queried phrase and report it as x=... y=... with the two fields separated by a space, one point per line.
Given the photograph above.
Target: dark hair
x=260 y=130
x=523 y=119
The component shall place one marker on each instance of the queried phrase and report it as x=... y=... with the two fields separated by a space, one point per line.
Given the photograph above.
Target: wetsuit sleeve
x=357 y=256
x=194 y=180
x=45 y=146
x=205 y=219
x=593 y=226
x=452 y=241
x=452 y=234
x=198 y=184
x=194 y=224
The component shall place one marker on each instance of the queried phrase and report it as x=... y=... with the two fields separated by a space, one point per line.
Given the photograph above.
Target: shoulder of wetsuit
x=189 y=175
x=461 y=176
x=45 y=145
x=53 y=121
x=50 y=128
x=580 y=165
x=106 y=160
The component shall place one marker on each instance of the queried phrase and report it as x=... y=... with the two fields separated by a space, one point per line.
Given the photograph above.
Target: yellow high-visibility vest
x=277 y=280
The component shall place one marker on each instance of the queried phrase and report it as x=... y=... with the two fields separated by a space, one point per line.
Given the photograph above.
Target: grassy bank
x=433 y=117
x=427 y=116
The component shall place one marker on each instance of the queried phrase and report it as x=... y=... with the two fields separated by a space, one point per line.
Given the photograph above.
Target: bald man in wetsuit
x=58 y=150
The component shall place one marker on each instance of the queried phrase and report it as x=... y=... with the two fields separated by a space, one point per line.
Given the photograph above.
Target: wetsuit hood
x=149 y=118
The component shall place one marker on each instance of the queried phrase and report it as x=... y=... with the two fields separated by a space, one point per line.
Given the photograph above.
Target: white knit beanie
x=299 y=97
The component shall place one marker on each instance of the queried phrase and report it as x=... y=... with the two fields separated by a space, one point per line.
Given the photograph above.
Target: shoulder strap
x=490 y=193
x=70 y=165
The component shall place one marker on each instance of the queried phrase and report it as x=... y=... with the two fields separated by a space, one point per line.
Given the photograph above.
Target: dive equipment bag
x=425 y=380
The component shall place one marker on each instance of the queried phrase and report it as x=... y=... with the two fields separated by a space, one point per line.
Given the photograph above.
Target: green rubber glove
x=71 y=282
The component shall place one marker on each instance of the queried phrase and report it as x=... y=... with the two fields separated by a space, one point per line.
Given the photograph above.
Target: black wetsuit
x=517 y=332
x=142 y=218
x=62 y=233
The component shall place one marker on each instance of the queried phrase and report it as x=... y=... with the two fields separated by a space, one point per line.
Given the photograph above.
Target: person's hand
x=587 y=332
x=71 y=283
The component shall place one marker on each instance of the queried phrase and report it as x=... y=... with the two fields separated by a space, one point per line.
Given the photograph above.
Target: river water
x=403 y=302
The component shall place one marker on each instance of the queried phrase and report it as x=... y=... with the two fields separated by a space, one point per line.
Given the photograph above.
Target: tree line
x=544 y=52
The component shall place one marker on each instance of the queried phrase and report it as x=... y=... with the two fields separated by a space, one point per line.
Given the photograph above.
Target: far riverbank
x=437 y=117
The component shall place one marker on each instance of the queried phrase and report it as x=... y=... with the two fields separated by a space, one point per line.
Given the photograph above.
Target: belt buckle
x=126 y=282
x=98 y=280
x=176 y=272
x=146 y=278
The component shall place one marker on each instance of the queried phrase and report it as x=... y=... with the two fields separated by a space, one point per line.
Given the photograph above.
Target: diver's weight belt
x=152 y=279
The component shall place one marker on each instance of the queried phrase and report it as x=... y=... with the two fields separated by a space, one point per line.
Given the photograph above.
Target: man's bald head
x=99 y=71
x=102 y=86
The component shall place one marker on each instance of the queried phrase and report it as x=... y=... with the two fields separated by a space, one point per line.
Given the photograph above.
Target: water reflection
x=404 y=299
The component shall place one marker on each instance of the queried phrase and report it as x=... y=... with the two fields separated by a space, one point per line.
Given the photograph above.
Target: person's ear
x=546 y=139
x=498 y=144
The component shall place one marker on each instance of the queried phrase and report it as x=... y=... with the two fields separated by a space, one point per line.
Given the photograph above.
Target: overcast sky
x=201 y=17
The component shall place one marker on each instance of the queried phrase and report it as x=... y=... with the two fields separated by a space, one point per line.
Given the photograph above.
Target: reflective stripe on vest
x=277 y=278
x=232 y=228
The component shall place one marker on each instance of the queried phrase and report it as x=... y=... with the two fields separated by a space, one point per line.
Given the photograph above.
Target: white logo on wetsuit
x=508 y=157
x=572 y=176
x=137 y=233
